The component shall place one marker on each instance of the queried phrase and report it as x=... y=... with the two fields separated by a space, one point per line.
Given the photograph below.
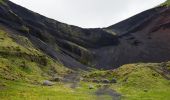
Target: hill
x=128 y=60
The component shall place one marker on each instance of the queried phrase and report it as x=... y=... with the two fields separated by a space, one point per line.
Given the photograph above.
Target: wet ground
x=105 y=89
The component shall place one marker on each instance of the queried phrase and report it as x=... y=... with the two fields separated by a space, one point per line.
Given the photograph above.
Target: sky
x=89 y=13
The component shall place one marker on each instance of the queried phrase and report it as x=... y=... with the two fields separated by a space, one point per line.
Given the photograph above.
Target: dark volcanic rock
x=105 y=81
x=113 y=80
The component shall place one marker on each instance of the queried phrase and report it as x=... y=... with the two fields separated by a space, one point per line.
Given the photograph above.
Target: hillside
x=20 y=60
x=143 y=38
x=43 y=59
x=134 y=82
x=167 y=3
x=138 y=81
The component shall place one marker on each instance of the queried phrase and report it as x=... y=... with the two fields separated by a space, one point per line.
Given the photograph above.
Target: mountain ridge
x=43 y=59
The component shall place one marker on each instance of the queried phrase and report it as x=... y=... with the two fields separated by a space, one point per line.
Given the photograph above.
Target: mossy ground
x=20 y=60
x=137 y=81
x=24 y=91
x=23 y=68
x=167 y=3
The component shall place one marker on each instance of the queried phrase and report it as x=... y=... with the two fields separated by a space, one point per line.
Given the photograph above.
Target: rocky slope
x=141 y=38
x=144 y=37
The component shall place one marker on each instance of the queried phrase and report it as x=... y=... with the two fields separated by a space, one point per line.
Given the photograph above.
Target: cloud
x=89 y=13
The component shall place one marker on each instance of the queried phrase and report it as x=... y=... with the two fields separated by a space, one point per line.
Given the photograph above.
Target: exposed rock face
x=142 y=38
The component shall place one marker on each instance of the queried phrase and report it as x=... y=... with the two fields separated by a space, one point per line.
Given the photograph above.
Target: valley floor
x=11 y=90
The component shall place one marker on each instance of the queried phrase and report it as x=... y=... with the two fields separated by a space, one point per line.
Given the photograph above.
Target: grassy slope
x=22 y=66
x=20 y=91
x=138 y=81
x=24 y=62
x=167 y=3
x=135 y=82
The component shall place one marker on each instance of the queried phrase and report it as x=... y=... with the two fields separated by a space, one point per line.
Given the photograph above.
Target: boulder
x=105 y=81
x=113 y=80
x=95 y=81
x=91 y=87
x=56 y=79
x=81 y=79
x=48 y=83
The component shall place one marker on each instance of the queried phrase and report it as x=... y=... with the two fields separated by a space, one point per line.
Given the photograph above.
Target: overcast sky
x=89 y=13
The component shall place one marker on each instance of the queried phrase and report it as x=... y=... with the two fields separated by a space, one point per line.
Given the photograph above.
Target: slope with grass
x=20 y=60
x=34 y=48
x=141 y=38
x=138 y=81
x=167 y=3
x=134 y=82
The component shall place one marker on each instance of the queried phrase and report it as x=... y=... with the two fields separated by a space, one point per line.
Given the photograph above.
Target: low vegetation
x=167 y=3
x=24 y=68
x=138 y=81
x=20 y=60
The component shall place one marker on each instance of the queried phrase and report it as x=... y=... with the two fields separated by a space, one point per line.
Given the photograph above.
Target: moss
x=1 y=1
x=20 y=60
x=166 y=3
x=24 y=29
x=137 y=81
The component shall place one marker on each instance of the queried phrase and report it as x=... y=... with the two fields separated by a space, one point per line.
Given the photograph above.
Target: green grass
x=22 y=65
x=20 y=60
x=1 y=1
x=138 y=81
x=135 y=82
x=25 y=91
x=166 y=3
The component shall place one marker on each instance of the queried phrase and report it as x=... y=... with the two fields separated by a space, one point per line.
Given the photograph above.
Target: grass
x=22 y=66
x=1 y=1
x=20 y=60
x=166 y=3
x=137 y=81
x=20 y=91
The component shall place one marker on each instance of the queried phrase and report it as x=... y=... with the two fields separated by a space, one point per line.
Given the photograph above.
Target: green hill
x=43 y=59
x=167 y=3
x=139 y=81
x=20 y=60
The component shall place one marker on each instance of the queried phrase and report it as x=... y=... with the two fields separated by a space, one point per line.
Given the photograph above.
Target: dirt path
x=73 y=78
x=106 y=90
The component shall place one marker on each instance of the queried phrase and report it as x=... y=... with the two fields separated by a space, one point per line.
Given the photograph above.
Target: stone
x=56 y=79
x=48 y=83
x=95 y=81
x=105 y=81
x=113 y=80
x=91 y=87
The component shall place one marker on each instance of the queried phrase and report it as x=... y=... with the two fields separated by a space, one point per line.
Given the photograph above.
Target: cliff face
x=144 y=37
x=141 y=38
x=68 y=44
